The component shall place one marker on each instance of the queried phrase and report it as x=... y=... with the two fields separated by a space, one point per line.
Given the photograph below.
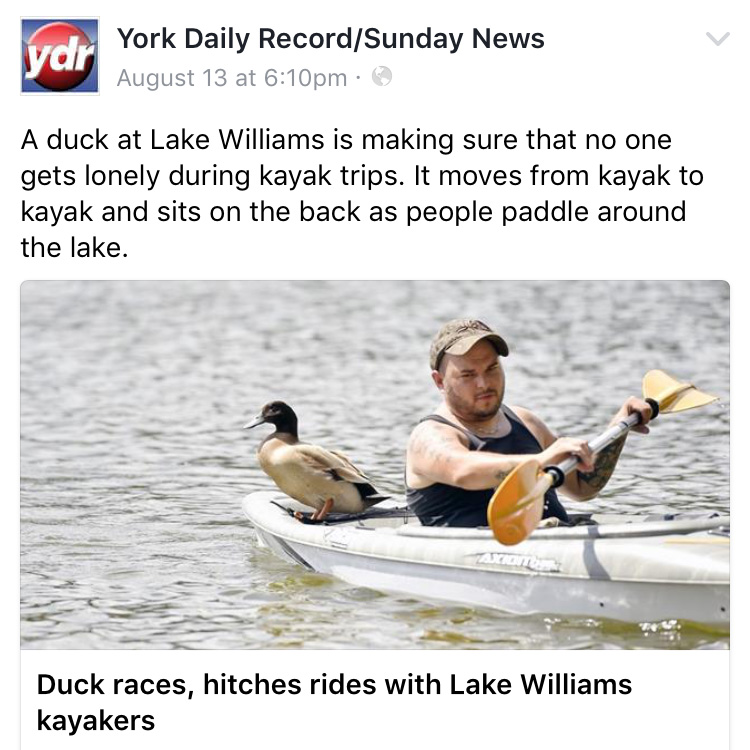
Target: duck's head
x=277 y=413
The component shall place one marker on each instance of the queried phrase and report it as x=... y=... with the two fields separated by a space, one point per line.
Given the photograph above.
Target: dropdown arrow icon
x=717 y=42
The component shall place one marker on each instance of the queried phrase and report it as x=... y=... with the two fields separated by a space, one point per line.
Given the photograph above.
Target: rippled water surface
x=134 y=464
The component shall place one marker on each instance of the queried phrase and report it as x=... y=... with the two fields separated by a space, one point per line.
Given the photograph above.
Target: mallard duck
x=322 y=479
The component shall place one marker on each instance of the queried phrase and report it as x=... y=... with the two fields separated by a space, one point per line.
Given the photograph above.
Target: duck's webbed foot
x=319 y=515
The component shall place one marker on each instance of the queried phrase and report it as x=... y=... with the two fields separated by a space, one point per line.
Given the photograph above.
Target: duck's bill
x=254 y=422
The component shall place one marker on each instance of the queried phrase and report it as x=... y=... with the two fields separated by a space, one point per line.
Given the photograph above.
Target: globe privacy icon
x=382 y=76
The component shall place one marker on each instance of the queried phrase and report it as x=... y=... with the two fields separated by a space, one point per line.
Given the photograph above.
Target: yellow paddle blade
x=671 y=394
x=517 y=505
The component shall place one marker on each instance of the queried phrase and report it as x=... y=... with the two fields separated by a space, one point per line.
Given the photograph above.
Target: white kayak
x=629 y=568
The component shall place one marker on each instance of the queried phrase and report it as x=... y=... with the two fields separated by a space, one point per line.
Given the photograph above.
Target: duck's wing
x=333 y=463
x=349 y=466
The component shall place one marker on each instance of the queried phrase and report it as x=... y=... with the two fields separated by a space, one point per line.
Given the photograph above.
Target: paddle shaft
x=599 y=443
x=517 y=506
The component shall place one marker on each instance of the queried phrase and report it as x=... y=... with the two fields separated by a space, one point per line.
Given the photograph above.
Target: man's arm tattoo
x=606 y=460
x=434 y=448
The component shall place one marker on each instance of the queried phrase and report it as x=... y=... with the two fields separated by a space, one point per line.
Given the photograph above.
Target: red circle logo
x=59 y=55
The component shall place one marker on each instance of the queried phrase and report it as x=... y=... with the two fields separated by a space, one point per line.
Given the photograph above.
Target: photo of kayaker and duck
x=417 y=464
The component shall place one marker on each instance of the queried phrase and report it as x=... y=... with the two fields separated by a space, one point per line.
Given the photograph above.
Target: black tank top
x=444 y=505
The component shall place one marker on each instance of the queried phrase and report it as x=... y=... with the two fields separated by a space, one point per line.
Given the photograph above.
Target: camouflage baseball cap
x=458 y=336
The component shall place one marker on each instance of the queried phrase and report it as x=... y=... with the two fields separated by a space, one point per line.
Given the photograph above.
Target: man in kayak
x=457 y=456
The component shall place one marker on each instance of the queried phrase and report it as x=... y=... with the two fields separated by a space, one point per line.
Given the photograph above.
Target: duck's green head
x=277 y=413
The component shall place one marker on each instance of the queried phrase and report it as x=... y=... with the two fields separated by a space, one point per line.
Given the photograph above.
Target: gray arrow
x=717 y=42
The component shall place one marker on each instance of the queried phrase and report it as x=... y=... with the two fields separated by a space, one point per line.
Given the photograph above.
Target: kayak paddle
x=515 y=509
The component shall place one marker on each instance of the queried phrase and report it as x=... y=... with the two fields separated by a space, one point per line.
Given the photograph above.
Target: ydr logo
x=59 y=56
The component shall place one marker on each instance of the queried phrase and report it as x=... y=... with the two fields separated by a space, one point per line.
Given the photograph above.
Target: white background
x=641 y=67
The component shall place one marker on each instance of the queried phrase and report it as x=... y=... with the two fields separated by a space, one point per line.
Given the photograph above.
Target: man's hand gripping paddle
x=516 y=507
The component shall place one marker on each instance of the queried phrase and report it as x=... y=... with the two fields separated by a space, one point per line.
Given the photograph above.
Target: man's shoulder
x=523 y=413
x=429 y=429
x=429 y=424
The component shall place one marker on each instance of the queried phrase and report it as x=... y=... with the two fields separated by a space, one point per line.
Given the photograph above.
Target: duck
x=322 y=479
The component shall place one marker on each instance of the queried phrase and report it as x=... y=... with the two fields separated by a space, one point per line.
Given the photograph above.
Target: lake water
x=134 y=463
